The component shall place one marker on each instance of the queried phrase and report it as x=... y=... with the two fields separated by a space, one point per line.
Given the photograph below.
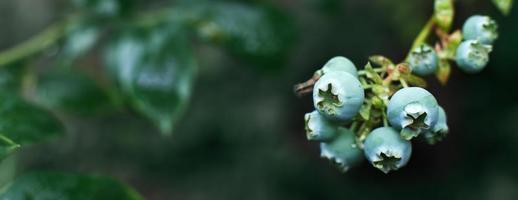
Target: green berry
x=386 y=150
x=412 y=110
x=339 y=63
x=338 y=96
x=423 y=60
x=472 y=56
x=481 y=28
x=318 y=128
x=439 y=131
x=343 y=150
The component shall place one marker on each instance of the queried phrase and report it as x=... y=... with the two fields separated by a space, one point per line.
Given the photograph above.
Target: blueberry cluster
x=338 y=97
x=479 y=34
x=471 y=55
x=377 y=112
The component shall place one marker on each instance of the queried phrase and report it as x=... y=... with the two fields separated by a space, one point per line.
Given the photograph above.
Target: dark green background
x=243 y=134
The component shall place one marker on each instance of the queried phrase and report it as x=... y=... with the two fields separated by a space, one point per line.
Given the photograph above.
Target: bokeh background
x=242 y=136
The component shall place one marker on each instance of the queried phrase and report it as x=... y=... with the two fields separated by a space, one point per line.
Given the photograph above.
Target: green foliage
x=155 y=69
x=63 y=186
x=503 y=5
x=105 y=8
x=23 y=124
x=80 y=39
x=7 y=171
x=259 y=34
x=11 y=76
x=443 y=12
x=72 y=92
x=7 y=146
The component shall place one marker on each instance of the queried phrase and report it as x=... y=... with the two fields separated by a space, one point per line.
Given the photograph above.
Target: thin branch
x=422 y=36
x=36 y=44
x=55 y=32
x=307 y=86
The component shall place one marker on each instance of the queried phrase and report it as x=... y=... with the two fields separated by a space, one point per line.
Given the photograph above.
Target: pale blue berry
x=412 y=110
x=423 y=60
x=481 y=28
x=439 y=130
x=386 y=150
x=338 y=95
x=343 y=150
x=339 y=63
x=318 y=128
x=472 y=56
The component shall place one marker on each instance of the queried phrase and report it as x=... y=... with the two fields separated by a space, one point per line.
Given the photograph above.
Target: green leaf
x=72 y=92
x=443 y=72
x=414 y=80
x=103 y=9
x=255 y=33
x=381 y=61
x=450 y=48
x=155 y=69
x=443 y=13
x=11 y=77
x=504 y=5
x=371 y=74
x=63 y=186
x=80 y=39
x=7 y=146
x=25 y=124
x=7 y=171
x=365 y=111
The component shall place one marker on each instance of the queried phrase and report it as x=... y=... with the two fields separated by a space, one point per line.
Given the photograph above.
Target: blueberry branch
x=422 y=36
x=388 y=113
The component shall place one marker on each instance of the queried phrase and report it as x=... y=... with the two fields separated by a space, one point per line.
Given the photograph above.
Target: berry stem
x=377 y=70
x=403 y=82
x=384 y=116
x=422 y=36
x=306 y=87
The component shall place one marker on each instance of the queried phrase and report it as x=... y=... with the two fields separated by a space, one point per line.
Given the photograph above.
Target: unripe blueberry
x=318 y=128
x=472 y=56
x=439 y=131
x=386 y=150
x=343 y=150
x=338 y=96
x=412 y=110
x=339 y=63
x=481 y=28
x=423 y=60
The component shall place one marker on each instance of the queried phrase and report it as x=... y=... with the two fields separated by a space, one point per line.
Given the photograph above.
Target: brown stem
x=304 y=88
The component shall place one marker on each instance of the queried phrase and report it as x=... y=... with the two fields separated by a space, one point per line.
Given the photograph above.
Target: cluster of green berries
x=471 y=55
x=338 y=96
x=376 y=113
x=479 y=34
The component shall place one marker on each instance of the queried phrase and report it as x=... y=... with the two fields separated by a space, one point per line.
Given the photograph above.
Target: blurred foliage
x=238 y=139
x=23 y=124
x=51 y=186
x=155 y=68
x=72 y=92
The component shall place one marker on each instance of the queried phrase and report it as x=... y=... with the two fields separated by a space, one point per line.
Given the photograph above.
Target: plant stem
x=377 y=70
x=422 y=36
x=53 y=33
x=403 y=82
x=37 y=43
x=384 y=116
